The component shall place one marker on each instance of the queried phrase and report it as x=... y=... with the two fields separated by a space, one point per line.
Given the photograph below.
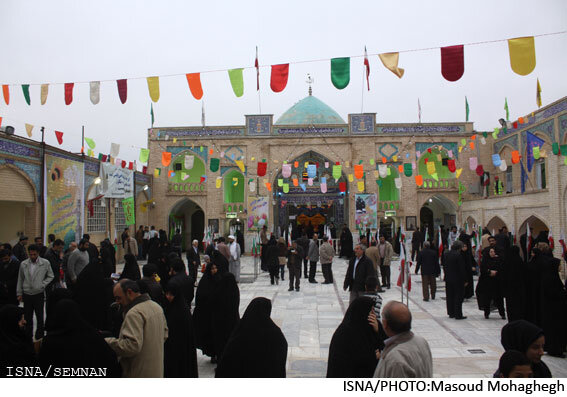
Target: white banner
x=116 y=182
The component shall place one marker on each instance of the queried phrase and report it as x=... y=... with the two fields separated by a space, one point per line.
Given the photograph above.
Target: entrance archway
x=536 y=224
x=441 y=212
x=189 y=218
x=495 y=224
x=17 y=204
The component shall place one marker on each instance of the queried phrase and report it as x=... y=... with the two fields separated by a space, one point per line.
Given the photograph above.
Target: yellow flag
x=458 y=173
x=29 y=129
x=153 y=87
x=234 y=181
x=431 y=168
x=460 y=149
x=350 y=178
x=218 y=182
x=360 y=186
x=522 y=55
x=390 y=61
x=44 y=91
x=240 y=165
x=174 y=140
x=394 y=158
x=538 y=95
x=156 y=173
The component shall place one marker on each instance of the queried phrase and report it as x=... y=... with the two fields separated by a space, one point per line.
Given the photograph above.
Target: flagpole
x=362 y=90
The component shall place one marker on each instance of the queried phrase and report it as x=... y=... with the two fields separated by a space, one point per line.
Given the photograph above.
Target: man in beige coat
x=139 y=346
x=385 y=253
x=373 y=254
x=326 y=253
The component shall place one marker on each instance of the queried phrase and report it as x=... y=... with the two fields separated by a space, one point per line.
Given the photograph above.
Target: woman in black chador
x=131 y=268
x=93 y=293
x=16 y=347
x=257 y=348
x=346 y=243
x=489 y=287
x=515 y=284
x=203 y=312
x=470 y=263
x=73 y=343
x=180 y=356
x=352 y=353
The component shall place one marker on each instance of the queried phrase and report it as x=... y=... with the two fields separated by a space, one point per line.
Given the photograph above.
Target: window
x=509 y=180
x=119 y=218
x=541 y=183
x=97 y=222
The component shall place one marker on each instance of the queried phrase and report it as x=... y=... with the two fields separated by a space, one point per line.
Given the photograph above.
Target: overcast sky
x=70 y=41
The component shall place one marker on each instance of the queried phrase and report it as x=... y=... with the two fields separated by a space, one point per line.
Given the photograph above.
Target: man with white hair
x=234 y=261
x=193 y=259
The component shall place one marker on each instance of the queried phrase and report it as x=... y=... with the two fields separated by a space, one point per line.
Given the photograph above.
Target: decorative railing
x=449 y=183
x=388 y=205
x=234 y=207
x=185 y=188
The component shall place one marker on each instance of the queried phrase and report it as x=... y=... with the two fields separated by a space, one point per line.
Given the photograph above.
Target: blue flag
x=533 y=141
x=524 y=177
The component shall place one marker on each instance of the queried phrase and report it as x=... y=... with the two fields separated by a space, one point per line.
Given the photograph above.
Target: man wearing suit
x=193 y=259
x=454 y=266
x=359 y=268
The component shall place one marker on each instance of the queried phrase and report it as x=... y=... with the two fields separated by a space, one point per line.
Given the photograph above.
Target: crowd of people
x=151 y=323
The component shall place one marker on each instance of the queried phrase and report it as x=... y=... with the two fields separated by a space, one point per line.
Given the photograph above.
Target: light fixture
x=430 y=200
x=146 y=187
x=97 y=180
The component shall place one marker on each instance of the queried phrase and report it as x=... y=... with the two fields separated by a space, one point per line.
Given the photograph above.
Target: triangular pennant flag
x=240 y=165
x=122 y=85
x=189 y=161
x=538 y=94
x=69 y=93
x=29 y=129
x=458 y=173
x=170 y=174
x=153 y=87
x=452 y=62
x=90 y=153
x=6 y=93
x=367 y=66
x=165 y=158
x=237 y=81
x=214 y=165
x=144 y=155
x=390 y=61
x=90 y=142
x=435 y=176
x=194 y=81
x=262 y=167
x=43 y=93
x=59 y=136
x=522 y=55
x=26 y=91
x=340 y=72
x=278 y=79
x=95 y=92
x=303 y=187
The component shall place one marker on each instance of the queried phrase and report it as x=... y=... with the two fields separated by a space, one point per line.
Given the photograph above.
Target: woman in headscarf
x=108 y=258
x=352 y=353
x=180 y=356
x=225 y=315
x=153 y=250
x=272 y=259
x=534 y=274
x=16 y=348
x=220 y=261
x=202 y=314
x=553 y=304
x=515 y=284
x=131 y=269
x=72 y=343
x=257 y=348
x=470 y=263
x=526 y=338
x=346 y=243
x=489 y=287
x=94 y=295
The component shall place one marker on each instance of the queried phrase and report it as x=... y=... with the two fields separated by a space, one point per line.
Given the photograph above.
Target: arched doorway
x=189 y=218
x=439 y=211
x=537 y=226
x=470 y=224
x=17 y=205
x=426 y=220
x=495 y=224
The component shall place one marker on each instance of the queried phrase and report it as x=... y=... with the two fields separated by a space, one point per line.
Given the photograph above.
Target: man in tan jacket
x=373 y=254
x=385 y=253
x=139 y=346
x=326 y=253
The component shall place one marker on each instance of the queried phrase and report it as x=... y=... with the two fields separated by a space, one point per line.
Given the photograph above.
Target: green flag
x=144 y=155
x=90 y=142
x=129 y=215
x=506 y=109
x=466 y=109
x=340 y=72
x=152 y=113
x=26 y=90
x=237 y=81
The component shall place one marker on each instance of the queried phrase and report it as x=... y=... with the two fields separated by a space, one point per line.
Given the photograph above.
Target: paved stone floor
x=308 y=319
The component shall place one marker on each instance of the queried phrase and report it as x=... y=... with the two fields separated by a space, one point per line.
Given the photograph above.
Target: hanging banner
x=194 y=81
x=153 y=88
x=26 y=91
x=214 y=165
x=69 y=93
x=390 y=61
x=286 y=170
x=358 y=171
x=473 y=162
x=116 y=182
x=129 y=211
x=236 y=81
x=522 y=55
x=366 y=214
x=122 y=85
x=64 y=215
x=452 y=62
x=43 y=93
x=258 y=212
x=278 y=80
x=189 y=161
x=311 y=171
x=340 y=72
x=337 y=169
x=94 y=92
x=6 y=93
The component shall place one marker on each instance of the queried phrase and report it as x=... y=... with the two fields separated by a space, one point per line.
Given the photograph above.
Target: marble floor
x=308 y=318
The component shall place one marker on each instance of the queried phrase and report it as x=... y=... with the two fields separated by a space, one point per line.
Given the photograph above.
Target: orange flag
x=419 y=180
x=194 y=81
x=166 y=158
x=6 y=92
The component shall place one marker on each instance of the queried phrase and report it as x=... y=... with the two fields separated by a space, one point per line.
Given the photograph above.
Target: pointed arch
x=192 y=175
x=388 y=190
x=536 y=223
x=441 y=170
x=233 y=187
x=495 y=224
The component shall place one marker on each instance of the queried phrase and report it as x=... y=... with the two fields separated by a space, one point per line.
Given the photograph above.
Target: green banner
x=340 y=72
x=129 y=211
x=237 y=81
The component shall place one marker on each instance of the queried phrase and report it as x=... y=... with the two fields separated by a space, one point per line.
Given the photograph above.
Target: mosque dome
x=310 y=110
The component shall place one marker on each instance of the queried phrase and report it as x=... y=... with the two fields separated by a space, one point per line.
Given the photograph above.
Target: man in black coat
x=454 y=267
x=503 y=240
x=55 y=257
x=19 y=249
x=294 y=257
x=428 y=261
x=193 y=259
x=177 y=272
x=416 y=243
x=303 y=242
x=9 y=269
x=359 y=268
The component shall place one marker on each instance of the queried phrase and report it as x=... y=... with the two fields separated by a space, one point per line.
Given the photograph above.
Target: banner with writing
x=129 y=211
x=64 y=215
x=116 y=182
x=258 y=212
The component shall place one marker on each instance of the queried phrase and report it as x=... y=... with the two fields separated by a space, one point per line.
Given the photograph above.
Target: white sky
x=68 y=41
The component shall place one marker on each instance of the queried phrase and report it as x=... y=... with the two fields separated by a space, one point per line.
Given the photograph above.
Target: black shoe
x=380 y=290
x=503 y=316
x=426 y=300
x=313 y=282
x=460 y=318
x=486 y=315
x=451 y=316
x=433 y=298
x=297 y=289
x=291 y=289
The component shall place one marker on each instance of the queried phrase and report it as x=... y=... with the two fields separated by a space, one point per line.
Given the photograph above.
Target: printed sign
x=117 y=182
x=365 y=211
x=129 y=211
x=258 y=212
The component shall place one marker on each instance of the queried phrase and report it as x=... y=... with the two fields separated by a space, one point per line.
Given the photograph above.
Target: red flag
x=550 y=239
x=452 y=62
x=262 y=167
x=130 y=165
x=451 y=165
x=6 y=92
x=123 y=163
x=278 y=80
x=144 y=169
x=257 y=66
x=69 y=93
x=59 y=136
x=440 y=244
x=367 y=64
x=562 y=242
x=122 y=90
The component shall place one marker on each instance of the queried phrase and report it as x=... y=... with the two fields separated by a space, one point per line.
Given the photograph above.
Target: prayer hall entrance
x=189 y=218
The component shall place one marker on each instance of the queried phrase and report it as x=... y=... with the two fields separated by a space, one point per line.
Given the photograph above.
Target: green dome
x=310 y=110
